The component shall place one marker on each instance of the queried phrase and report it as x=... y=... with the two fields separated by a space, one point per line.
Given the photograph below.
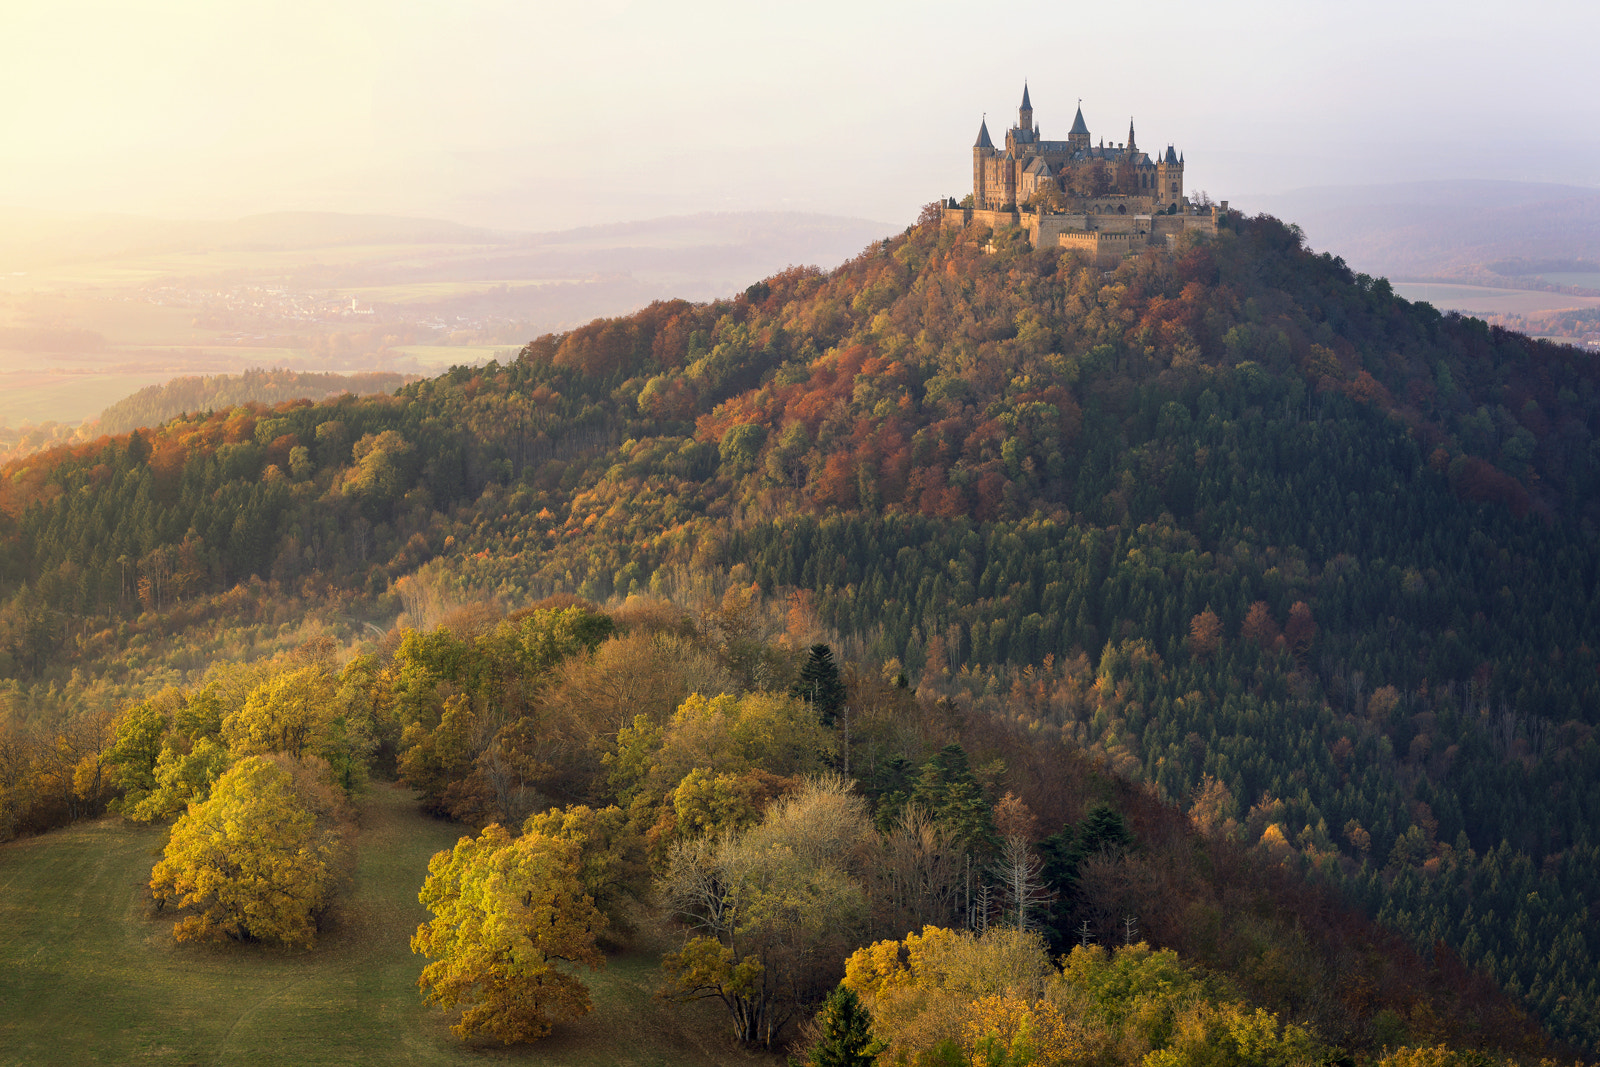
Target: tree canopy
x=508 y=914
x=253 y=861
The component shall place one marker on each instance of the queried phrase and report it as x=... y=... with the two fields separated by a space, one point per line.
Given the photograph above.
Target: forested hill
x=156 y=404
x=1315 y=561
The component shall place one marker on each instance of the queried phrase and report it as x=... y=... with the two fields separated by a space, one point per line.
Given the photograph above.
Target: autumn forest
x=965 y=656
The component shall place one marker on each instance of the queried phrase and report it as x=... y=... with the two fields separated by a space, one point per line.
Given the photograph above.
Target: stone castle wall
x=1107 y=239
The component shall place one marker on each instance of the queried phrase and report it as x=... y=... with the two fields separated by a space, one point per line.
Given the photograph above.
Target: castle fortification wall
x=1107 y=239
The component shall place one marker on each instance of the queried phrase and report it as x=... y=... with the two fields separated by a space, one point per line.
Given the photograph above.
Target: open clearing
x=88 y=975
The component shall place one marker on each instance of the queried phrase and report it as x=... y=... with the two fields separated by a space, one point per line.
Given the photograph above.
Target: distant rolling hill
x=1462 y=230
x=700 y=249
x=143 y=300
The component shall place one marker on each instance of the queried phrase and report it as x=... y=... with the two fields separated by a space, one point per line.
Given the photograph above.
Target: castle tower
x=1131 y=146
x=1078 y=136
x=1025 y=112
x=982 y=153
x=1169 y=178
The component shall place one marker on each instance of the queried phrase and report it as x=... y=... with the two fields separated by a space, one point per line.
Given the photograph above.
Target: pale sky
x=538 y=115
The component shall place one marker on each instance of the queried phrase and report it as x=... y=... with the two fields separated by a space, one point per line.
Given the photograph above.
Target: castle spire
x=1025 y=112
x=1078 y=136
x=983 y=135
x=1131 y=145
x=1026 y=105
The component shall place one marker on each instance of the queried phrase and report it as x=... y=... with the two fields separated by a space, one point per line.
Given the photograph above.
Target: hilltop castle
x=1110 y=201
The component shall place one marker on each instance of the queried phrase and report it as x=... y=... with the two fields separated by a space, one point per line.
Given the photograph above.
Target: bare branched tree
x=918 y=879
x=1023 y=893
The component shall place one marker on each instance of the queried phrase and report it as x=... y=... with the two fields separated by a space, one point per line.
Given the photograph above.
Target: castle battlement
x=1109 y=200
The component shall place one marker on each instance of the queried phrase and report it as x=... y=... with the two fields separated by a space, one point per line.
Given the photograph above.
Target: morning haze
x=743 y=535
x=177 y=181
x=542 y=116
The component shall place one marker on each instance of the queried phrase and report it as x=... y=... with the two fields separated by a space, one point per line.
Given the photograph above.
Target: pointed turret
x=1131 y=146
x=1025 y=112
x=983 y=154
x=1172 y=155
x=1078 y=136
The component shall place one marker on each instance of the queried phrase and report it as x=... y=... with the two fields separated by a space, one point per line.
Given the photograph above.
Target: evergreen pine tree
x=949 y=791
x=1103 y=830
x=819 y=684
x=846 y=1027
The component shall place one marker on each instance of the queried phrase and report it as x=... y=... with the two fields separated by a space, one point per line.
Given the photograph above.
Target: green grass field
x=89 y=975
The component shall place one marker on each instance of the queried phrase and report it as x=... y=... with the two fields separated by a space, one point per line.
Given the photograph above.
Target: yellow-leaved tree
x=287 y=713
x=724 y=734
x=507 y=913
x=255 y=860
x=776 y=907
x=957 y=996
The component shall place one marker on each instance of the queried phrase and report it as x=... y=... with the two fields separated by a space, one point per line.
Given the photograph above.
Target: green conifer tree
x=819 y=684
x=847 y=1039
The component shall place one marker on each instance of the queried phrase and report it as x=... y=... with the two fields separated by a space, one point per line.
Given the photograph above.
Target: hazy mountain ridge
x=158 y=403
x=1456 y=229
x=155 y=404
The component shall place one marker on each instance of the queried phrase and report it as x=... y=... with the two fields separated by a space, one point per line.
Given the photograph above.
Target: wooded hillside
x=1314 y=563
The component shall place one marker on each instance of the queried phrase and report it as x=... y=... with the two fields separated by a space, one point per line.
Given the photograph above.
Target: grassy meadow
x=88 y=974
